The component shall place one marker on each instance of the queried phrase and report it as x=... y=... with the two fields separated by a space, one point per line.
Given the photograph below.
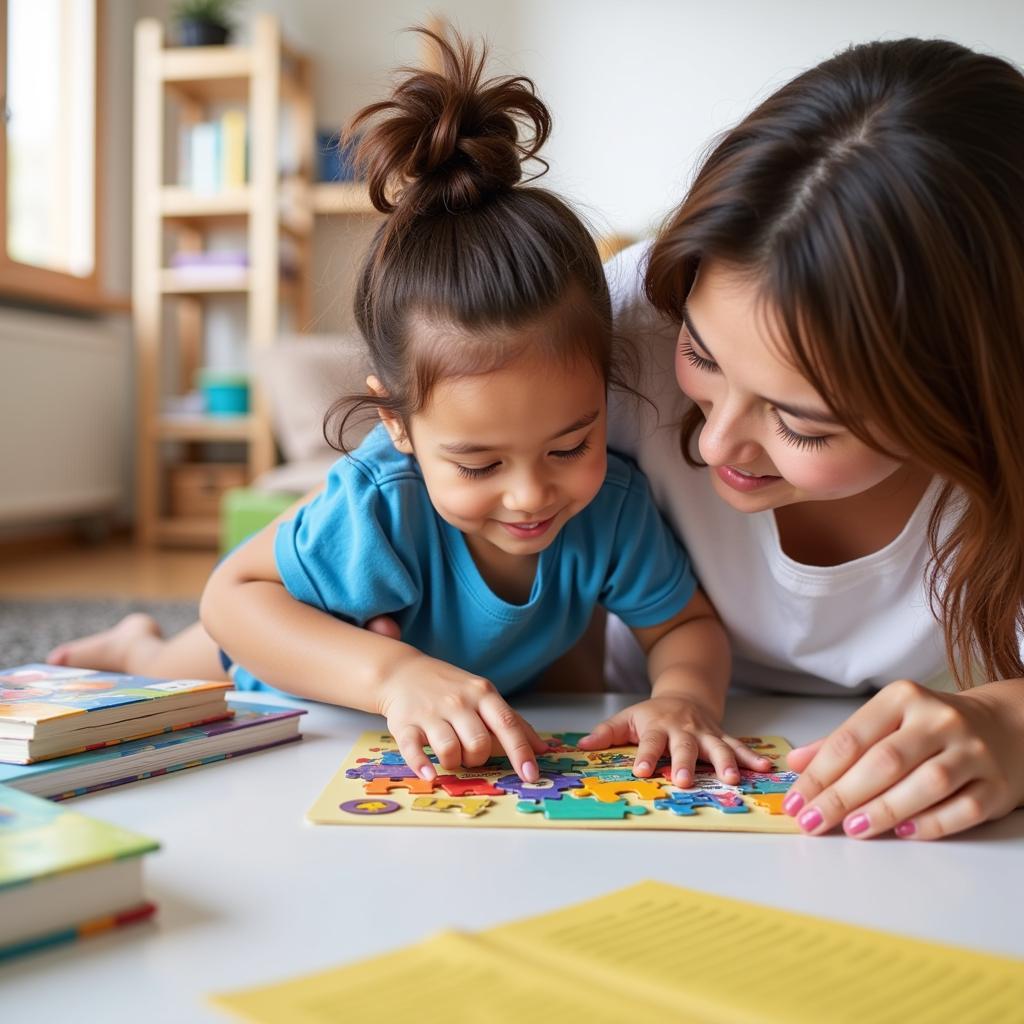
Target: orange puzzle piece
x=610 y=790
x=381 y=787
x=771 y=802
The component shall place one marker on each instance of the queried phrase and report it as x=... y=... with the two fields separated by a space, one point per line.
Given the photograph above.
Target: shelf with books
x=243 y=167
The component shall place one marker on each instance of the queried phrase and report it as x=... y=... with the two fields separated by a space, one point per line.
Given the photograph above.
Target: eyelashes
x=476 y=473
x=804 y=442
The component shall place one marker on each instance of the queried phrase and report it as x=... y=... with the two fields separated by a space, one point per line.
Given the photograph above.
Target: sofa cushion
x=302 y=376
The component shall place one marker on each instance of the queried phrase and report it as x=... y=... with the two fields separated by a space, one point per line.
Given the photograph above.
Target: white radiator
x=66 y=406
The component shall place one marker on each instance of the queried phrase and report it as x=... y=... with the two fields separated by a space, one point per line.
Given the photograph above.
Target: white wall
x=637 y=87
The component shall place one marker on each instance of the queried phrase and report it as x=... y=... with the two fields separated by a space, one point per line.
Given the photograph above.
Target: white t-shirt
x=842 y=629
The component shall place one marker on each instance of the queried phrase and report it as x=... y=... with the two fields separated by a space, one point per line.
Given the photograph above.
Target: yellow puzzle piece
x=610 y=790
x=468 y=805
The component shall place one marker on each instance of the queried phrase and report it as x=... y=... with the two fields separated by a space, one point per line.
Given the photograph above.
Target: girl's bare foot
x=114 y=650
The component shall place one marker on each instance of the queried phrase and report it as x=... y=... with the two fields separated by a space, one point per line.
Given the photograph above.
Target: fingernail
x=682 y=778
x=792 y=804
x=855 y=824
x=905 y=828
x=732 y=773
x=642 y=768
x=427 y=772
x=529 y=772
x=810 y=819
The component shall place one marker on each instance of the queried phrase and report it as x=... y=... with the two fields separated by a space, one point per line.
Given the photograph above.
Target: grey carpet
x=29 y=629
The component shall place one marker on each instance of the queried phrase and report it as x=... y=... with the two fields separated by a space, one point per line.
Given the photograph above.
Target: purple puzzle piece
x=530 y=791
x=369 y=772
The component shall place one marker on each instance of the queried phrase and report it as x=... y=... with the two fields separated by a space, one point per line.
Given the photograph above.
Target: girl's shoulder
x=378 y=463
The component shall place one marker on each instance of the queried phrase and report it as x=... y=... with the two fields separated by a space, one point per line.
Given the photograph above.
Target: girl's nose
x=529 y=493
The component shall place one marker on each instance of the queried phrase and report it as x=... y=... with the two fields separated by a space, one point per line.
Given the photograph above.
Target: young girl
x=483 y=514
x=841 y=297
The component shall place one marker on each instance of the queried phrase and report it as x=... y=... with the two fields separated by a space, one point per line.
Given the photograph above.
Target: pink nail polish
x=905 y=828
x=855 y=824
x=792 y=804
x=810 y=819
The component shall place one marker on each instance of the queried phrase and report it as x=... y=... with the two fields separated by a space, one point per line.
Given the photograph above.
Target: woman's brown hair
x=878 y=201
x=467 y=253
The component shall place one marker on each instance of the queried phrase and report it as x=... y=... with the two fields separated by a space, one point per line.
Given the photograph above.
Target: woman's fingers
x=800 y=757
x=964 y=809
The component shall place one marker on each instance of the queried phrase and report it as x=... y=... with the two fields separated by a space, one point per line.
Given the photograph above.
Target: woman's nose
x=726 y=438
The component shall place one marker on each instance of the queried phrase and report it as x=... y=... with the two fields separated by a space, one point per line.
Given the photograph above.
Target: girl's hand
x=917 y=762
x=427 y=701
x=686 y=730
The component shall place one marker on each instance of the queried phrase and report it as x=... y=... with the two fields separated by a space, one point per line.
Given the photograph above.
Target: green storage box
x=244 y=511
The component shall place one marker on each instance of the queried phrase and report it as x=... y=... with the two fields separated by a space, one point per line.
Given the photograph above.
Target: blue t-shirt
x=372 y=544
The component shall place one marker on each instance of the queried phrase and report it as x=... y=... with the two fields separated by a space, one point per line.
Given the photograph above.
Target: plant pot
x=201 y=33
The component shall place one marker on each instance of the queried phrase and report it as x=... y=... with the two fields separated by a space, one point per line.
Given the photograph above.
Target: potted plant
x=203 y=22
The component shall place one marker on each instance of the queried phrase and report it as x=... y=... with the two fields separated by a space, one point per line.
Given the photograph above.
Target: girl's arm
x=915 y=762
x=247 y=610
x=689 y=665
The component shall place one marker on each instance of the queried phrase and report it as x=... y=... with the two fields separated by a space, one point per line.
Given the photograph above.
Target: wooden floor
x=114 y=569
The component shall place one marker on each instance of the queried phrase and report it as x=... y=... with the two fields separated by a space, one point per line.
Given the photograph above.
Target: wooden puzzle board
x=578 y=789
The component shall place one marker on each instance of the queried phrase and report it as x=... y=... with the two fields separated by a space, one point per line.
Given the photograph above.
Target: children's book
x=252 y=727
x=577 y=789
x=655 y=952
x=63 y=874
x=48 y=710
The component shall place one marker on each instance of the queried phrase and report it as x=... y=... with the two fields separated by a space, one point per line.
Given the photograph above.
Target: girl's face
x=509 y=457
x=769 y=439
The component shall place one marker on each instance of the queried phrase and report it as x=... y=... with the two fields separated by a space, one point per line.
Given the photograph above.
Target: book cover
x=48 y=710
x=63 y=875
x=253 y=727
x=234 y=146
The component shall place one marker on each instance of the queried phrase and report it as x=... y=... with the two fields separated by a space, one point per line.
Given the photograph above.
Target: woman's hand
x=916 y=762
x=461 y=716
x=682 y=727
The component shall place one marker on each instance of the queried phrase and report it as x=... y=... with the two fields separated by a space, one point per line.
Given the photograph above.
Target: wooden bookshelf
x=263 y=77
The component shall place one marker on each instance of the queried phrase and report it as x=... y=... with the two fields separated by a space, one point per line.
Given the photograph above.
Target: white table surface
x=248 y=892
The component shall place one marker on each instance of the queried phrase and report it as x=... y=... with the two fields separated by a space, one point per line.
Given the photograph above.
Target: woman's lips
x=739 y=481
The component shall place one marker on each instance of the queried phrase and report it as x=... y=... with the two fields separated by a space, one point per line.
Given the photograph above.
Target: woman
x=841 y=298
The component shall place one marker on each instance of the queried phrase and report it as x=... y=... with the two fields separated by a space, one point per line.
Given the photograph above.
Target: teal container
x=225 y=393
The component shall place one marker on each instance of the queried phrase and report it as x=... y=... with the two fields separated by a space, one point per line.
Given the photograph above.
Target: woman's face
x=769 y=439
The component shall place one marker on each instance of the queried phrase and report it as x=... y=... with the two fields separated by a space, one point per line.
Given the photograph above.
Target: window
x=49 y=62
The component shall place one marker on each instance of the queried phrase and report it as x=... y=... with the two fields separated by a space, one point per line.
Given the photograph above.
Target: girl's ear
x=392 y=423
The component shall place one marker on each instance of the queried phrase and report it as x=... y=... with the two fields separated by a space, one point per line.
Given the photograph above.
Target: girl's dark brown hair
x=466 y=254
x=878 y=201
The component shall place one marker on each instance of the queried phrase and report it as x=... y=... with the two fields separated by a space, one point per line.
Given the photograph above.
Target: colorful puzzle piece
x=610 y=791
x=453 y=785
x=610 y=758
x=685 y=803
x=583 y=809
x=560 y=764
x=771 y=802
x=610 y=774
x=531 y=791
x=471 y=806
x=369 y=772
x=766 y=782
x=381 y=787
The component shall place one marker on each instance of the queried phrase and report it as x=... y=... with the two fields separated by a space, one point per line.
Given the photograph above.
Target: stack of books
x=63 y=875
x=213 y=155
x=67 y=731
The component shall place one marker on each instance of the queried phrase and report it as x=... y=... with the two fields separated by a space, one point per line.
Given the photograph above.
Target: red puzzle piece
x=454 y=786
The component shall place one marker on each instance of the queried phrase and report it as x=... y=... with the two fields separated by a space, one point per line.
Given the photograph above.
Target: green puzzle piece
x=581 y=808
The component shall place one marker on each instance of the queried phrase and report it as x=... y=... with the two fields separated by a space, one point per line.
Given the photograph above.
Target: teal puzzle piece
x=581 y=809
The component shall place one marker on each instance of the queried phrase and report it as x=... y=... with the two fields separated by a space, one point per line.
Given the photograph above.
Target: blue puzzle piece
x=369 y=772
x=686 y=803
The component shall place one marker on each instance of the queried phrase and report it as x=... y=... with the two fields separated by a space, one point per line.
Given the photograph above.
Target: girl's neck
x=510 y=577
x=828 y=533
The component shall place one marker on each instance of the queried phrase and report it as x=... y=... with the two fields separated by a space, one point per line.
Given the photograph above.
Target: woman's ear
x=392 y=422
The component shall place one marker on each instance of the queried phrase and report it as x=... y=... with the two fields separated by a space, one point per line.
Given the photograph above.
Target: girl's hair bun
x=447 y=140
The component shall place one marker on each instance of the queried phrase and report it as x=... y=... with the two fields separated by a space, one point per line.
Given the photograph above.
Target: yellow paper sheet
x=347 y=801
x=655 y=952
